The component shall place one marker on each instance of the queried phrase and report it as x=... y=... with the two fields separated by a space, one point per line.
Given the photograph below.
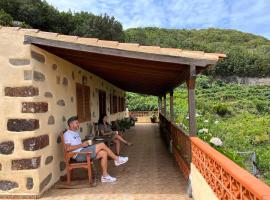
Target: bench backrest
x=96 y=131
x=66 y=157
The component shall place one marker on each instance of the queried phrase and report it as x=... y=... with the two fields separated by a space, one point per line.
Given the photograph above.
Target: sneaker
x=120 y=161
x=108 y=179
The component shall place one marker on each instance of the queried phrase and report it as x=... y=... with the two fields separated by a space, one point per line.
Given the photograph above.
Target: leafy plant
x=153 y=118
x=222 y=110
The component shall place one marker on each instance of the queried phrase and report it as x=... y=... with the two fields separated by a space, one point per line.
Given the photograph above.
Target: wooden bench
x=106 y=139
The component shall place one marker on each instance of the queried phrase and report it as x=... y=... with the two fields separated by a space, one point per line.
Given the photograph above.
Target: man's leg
x=82 y=157
x=102 y=146
x=104 y=161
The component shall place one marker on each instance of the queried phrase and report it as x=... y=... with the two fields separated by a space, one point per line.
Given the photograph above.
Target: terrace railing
x=143 y=113
x=226 y=179
x=180 y=143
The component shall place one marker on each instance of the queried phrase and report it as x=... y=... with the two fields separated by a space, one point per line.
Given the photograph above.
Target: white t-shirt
x=73 y=138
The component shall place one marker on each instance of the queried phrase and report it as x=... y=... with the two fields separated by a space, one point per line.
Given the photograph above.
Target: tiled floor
x=150 y=173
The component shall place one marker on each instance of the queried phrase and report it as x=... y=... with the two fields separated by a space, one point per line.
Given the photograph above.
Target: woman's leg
x=117 y=146
x=121 y=139
x=102 y=154
x=102 y=146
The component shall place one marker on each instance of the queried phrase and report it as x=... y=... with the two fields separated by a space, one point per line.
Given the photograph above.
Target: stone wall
x=36 y=99
x=245 y=80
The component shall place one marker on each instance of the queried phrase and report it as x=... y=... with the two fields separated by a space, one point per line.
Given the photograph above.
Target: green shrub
x=234 y=156
x=261 y=106
x=222 y=110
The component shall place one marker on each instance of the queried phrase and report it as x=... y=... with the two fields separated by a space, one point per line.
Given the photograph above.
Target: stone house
x=39 y=92
x=47 y=77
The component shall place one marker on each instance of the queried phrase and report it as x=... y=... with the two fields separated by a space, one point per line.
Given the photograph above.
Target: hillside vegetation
x=237 y=114
x=248 y=55
x=40 y=15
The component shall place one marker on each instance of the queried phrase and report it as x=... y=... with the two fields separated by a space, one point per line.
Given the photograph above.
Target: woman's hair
x=100 y=121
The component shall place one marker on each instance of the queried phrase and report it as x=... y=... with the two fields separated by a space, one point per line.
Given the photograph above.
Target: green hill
x=247 y=55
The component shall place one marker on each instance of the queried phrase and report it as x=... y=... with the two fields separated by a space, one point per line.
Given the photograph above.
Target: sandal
x=129 y=144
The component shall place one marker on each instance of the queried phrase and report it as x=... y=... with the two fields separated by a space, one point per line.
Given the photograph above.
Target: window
x=119 y=105
x=83 y=102
x=102 y=102
x=111 y=103
x=123 y=102
x=115 y=104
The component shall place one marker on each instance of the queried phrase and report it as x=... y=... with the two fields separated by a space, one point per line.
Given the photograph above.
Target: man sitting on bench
x=98 y=151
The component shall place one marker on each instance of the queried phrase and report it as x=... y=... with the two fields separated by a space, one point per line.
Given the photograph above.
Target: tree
x=5 y=19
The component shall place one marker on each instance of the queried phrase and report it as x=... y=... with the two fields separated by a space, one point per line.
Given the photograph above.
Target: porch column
x=191 y=100
x=171 y=106
x=159 y=104
x=164 y=105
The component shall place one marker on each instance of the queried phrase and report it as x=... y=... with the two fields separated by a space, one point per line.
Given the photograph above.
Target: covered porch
x=151 y=172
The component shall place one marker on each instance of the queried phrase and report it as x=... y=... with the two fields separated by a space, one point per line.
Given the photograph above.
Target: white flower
x=203 y=130
x=206 y=121
x=182 y=126
x=216 y=141
x=216 y=122
x=187 y=117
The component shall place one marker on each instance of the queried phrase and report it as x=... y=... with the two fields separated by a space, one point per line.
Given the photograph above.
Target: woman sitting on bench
x=105 y=130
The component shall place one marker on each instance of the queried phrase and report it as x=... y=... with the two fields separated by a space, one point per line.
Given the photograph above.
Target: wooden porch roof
x=131 y=67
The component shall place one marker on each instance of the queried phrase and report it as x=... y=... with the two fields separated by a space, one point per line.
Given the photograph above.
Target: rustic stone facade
x=7 y=185
x=19 y=61
x=65 y=81
x=62 y=166
x=36 y=143
x=6 y=147
x=29 y=183
x=34 y=107
x=48 y=160
x=51 y=120
x=48 y=94
x=28 y=75
x=23 y=164
x=45 y=182
x=37 y=56
x=19 y=125
x=61 y=102
x=38 y=76
x=27 y=91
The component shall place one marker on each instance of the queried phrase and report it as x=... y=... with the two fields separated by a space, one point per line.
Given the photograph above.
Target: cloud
x=244 y=15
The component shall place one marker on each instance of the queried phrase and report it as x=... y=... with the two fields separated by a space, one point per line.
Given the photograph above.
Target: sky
x=252 y=16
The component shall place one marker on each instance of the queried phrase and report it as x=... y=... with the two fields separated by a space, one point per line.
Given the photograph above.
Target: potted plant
x=153 y=118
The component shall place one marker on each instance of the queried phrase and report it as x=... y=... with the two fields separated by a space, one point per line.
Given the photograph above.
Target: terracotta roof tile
x=106 y=43
x=117 y=45
x=67 y=38
x=87 y=41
